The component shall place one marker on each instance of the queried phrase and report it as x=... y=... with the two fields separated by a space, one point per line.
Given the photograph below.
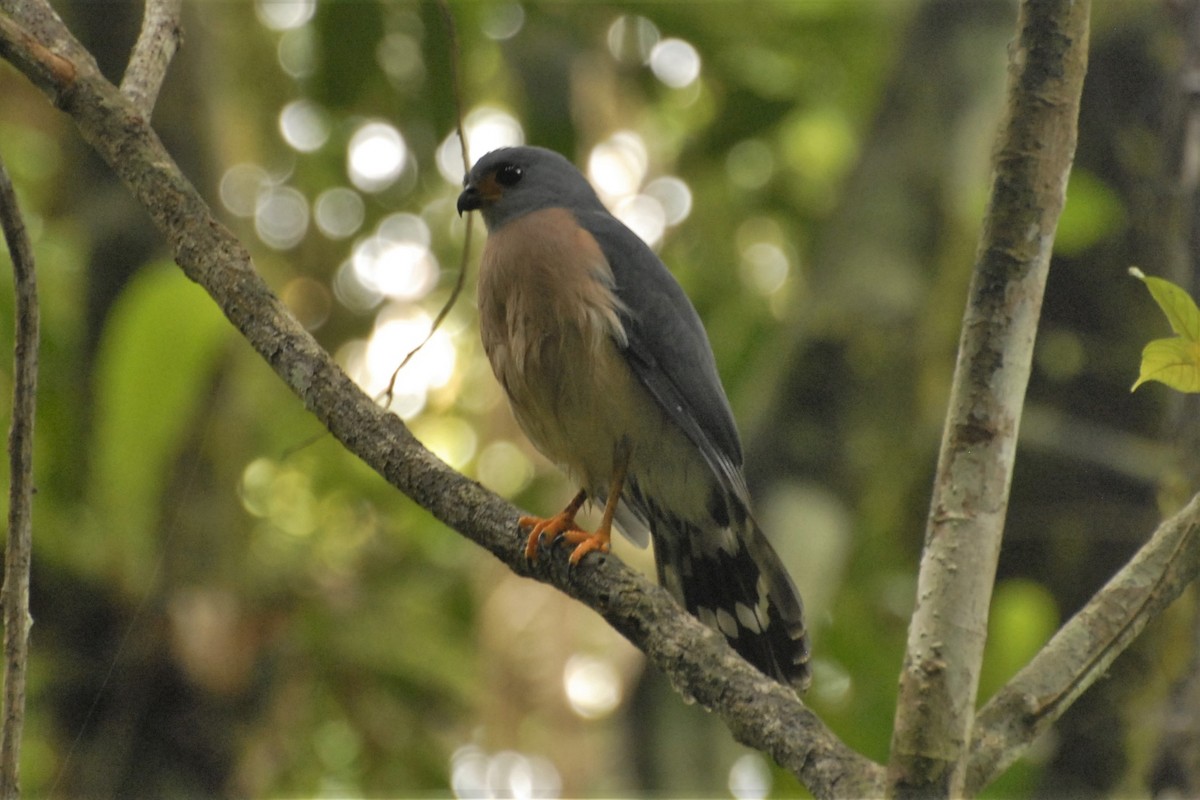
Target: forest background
x=227 y=603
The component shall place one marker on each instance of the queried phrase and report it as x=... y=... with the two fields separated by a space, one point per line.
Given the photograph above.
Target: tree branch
x=760 y=712
x=940 y=677
x=160 y=37
x=18 y=548
x=1083 y=648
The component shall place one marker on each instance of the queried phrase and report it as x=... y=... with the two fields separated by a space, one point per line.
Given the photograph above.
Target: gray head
x=513 y=181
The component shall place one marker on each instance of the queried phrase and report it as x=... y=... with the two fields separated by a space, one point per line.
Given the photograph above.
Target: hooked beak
x=469 y=200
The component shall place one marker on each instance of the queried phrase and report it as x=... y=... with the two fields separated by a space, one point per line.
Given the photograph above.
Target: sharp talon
x=554 y=528
x=535 y=536
x=586 y=543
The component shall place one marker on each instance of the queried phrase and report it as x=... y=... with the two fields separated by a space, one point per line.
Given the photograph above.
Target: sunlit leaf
x=1174 y=362
x=1177 y=304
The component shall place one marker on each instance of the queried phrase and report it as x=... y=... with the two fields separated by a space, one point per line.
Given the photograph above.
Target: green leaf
x=1174 y=362
x=1177 y=304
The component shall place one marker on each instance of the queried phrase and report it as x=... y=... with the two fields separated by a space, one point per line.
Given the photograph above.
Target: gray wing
x=668 y=348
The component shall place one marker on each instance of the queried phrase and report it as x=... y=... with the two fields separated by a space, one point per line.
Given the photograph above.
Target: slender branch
x=760 y=712
x=1085 y=646
x=156 y=45
x=940 y=677
x=38 y=61
x=18 y=548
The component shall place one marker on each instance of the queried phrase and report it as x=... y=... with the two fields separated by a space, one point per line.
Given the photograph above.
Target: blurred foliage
x=227 y=604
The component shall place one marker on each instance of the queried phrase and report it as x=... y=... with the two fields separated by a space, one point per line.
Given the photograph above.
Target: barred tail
x=731 y=579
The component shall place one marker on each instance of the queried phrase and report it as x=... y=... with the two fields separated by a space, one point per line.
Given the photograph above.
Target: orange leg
x=562 y=525
x=555 y=526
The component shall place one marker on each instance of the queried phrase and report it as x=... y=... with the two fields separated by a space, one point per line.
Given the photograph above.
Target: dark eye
x=508 y=175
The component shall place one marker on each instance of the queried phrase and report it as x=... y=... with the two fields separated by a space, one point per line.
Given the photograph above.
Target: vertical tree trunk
x=940 y=678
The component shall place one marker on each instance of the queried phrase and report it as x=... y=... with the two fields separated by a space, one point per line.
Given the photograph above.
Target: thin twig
x=452 y=36
x=156 y=45
x=17 y=553
x=1036 y=144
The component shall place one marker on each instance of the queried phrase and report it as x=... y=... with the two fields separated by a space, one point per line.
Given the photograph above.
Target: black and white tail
x=728 y=576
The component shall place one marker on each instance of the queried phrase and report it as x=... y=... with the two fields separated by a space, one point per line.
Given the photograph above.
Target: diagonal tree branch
x=1084 y=647
x=160 y=37
x=19 y=546
x=760 y=712
x=940 y=677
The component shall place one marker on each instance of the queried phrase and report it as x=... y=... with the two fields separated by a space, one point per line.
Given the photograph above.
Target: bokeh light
x=283 y=15
x=832 y=684
x=750 y=164
x=487 y=129
x=673 y=195
x=765 y=267
x=504 y=468
x=763 y=247
x=308 y=300
x=1061 y=354
x=375 y=156
x=339 y=212
x=632 y=38
x=750 y=777
x=297 y=52
x=592 y=685
x=476 y=774
x=675 y=62
x=503 y=20
x=399 y=56
x=404 y=270
x=281 y=495
x=397 y=261
x=398 y=330
x=352 y=292
x=239 y=188
x=304 y=126
x=644 y=215
x=450 y=438
x=617 y=166
x=281 y=217
x=337 y=744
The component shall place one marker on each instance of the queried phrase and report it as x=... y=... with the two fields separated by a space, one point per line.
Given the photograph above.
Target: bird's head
x=513 y=181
